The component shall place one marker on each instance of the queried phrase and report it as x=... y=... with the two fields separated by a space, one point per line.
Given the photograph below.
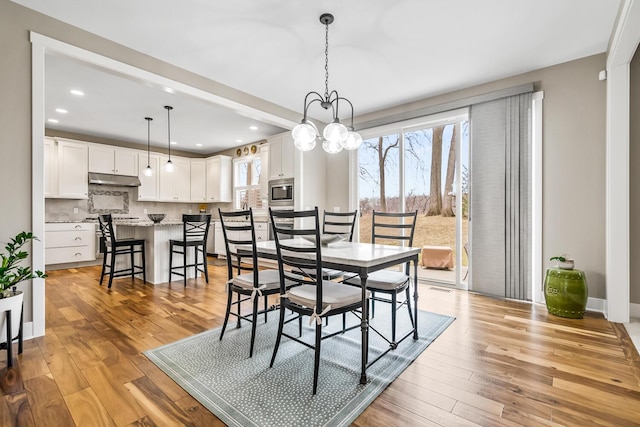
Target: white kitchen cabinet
x=199 y=180
x=149 y=189
x=73 y=170
x=264 y=170
x=113 y=160
x=50 y=168
x=219 y=179
x=69 y=242
x=262 y=234
x=219 y=240
x=175 y=186
x=281 y=156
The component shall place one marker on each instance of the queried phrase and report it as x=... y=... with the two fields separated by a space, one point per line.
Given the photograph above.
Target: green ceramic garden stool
x=565 y=292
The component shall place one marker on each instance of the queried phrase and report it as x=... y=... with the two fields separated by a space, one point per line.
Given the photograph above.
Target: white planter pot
x=13 y=303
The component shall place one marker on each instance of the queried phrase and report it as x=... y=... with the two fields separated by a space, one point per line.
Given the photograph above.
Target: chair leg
x=373 y=304
x=104 y=264
x=131 y=258
x=394 y=298
x=299 y=326
x=408 y=297
x=226 y=314
x=254 y=323
x=280 y=326
x=184 y=265
x=265 y=309
x=206 y=266
x=113 y=266
x=316 y=364
x=344 y=322
x=144 y=265
x=238 y=308
x=170 y=261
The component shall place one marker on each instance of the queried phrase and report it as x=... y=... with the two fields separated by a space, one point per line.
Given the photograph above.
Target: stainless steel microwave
x=281 y=192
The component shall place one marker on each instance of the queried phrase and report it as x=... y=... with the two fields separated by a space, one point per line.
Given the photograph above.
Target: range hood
x=109 y=179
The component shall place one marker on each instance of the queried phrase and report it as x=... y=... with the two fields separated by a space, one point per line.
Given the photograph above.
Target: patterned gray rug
x=246 y=392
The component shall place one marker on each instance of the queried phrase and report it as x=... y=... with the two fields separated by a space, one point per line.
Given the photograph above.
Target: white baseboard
x=597 y=304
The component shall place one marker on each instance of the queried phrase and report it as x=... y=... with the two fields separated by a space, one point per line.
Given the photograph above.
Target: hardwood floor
x=499 y=363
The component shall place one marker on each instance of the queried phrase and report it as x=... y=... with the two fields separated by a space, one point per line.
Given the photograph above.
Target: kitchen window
x=246 y=183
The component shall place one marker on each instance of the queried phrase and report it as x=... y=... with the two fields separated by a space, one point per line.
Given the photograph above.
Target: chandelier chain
x=326 y=62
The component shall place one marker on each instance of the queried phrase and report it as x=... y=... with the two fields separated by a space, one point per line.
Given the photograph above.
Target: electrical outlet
x=75 y=210
x=145 y=211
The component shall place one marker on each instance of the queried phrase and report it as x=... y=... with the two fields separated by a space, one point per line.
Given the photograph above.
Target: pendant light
x=169 y=165
x=148 y=171
x=336 y=136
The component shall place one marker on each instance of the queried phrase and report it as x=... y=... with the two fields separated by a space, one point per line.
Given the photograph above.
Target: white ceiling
x=381 y=54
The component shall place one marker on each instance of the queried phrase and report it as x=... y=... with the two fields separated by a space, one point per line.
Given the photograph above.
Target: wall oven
x=281 y=192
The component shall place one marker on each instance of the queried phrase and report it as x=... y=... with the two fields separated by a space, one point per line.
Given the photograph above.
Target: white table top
x=349 y=253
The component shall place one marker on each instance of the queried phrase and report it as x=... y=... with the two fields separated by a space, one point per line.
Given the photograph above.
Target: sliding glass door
x=422 y=167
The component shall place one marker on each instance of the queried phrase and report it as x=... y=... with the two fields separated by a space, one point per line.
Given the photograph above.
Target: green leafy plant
x=560 y=258
x=11 y=273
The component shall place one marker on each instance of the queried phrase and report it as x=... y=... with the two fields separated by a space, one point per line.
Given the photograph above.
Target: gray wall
x=573 y=159
x=634 y=179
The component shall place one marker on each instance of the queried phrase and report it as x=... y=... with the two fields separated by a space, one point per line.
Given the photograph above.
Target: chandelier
x=336 y=136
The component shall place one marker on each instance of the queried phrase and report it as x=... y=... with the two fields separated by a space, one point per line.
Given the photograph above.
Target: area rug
x=244 y=391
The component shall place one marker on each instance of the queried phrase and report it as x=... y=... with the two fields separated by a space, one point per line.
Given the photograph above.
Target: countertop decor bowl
x=156 y=217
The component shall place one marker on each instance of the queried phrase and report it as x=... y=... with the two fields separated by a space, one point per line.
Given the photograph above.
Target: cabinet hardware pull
x=78 y=226
x=78 y=238
x=77 y=254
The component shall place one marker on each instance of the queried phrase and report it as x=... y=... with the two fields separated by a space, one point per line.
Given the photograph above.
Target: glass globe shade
x=304 y=134
x=352 y=142
x=305 y=146
x=331 y=147
x=335 y=132
x=148 y=171
x=169 y=167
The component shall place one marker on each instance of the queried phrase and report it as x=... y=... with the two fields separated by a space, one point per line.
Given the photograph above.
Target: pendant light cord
x=169 y=108
x=326 y=62
x=148 y=119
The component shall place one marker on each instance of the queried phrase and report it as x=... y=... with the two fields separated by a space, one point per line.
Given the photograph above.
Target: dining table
x=361 y=259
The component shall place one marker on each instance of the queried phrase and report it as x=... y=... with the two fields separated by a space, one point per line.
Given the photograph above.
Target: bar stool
x=195 y=229
x=115 y=247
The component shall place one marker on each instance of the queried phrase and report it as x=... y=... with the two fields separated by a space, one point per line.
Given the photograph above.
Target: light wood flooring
x=500 y=363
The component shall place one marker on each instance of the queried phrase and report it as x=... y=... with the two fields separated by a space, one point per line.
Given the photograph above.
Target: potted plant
x=12 y=273
x=563 y=262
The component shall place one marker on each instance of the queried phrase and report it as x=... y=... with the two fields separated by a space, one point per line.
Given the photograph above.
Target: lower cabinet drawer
x=58 y=239
x=69 y=254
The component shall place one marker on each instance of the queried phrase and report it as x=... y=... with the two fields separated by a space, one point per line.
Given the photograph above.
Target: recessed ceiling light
x=174 y=143
x=168 y=90
x=53 y=121
x=77 y=92
x=253 y=127
x=239 y=141
x=198 y=145
x=61 y=111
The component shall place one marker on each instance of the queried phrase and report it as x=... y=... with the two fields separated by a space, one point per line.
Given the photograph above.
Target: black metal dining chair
x=247 y=286
x=195 y=229
x=391 y=229
x=309 y=296
x=115 y=247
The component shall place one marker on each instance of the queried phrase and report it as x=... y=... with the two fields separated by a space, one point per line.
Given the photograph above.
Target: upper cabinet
x=219 y=179
x=281 y=156
x=149 y=185
x=113 y=160
x=73 y=170
x=175 y=186
x=198 y=180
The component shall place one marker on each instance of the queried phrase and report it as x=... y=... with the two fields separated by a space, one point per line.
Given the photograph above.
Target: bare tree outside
x=448 y=208
x=435 y=182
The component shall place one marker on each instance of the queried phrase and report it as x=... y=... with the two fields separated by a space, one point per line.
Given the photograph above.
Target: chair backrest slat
x=303 y=252
x=106 y=228
x=342 y=223
x=394 y=229
x=232 y=226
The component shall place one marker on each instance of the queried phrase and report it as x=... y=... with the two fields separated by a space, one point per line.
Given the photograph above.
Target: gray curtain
x=500 y=208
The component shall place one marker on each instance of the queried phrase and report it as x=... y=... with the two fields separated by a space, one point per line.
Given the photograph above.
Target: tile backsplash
x=64 y=209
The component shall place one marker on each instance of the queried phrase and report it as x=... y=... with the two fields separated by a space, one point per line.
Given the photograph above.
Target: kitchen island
x=157 y=236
